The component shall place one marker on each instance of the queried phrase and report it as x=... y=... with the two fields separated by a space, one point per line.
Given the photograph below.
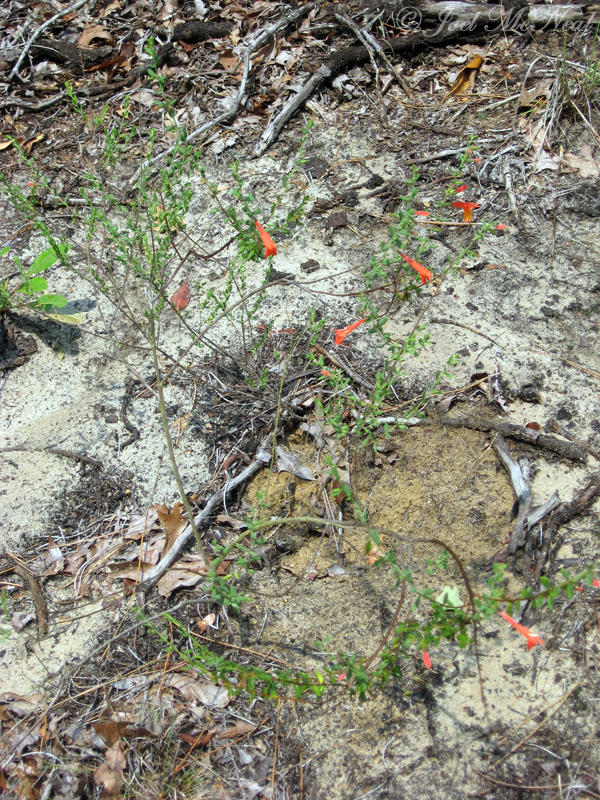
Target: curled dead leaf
x=466 y=77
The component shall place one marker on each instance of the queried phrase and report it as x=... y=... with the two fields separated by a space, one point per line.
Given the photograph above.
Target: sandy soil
x=524 y=306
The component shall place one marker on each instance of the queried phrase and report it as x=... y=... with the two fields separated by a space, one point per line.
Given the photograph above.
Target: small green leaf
x=449 y=596
x=46 y=259
x=33 y=285
x=56 y=300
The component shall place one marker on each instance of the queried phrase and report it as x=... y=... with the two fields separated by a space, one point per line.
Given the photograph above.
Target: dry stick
x=288 y=17
x=581 y=503
x=466 y=327
x=363 y=37
x=390 y=628
x=34 y=585
x=560 y=703
x=370 y=41
x=152 y=575
x=29 y=104
x=15 y=70
x=169 y=440
x=518 y=478
x=527 y=435
x=573 y=364
x=56 y=451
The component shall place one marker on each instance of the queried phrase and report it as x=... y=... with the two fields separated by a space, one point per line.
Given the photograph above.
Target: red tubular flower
x=270 y=249
x=532 y=638
x=426 y=659
x=425 y=274
x=422 y=213
x=341 y=333
x=461 y=188
x=467 y=209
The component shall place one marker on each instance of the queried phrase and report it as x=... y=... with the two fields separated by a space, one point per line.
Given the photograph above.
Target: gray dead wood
x=522 y=434
x=151 y=576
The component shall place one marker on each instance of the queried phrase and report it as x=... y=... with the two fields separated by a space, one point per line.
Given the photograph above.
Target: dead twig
x=519 y=432
x=151 y=576
x=519 y=477
x=14 y=73
x=36 y=590
x=56 y=451
x=287 y=18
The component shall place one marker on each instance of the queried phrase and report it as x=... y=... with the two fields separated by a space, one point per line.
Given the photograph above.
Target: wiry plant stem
x=167 y=434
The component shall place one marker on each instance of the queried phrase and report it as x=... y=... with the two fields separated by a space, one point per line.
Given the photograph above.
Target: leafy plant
x=30 y=292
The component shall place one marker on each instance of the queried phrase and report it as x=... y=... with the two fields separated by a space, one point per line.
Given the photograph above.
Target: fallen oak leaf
x=172 y=522
x=204 y=691
x=188 y=572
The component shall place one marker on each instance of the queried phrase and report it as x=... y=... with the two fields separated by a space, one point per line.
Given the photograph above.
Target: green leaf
x=449 y=596
x=47 y=300
x=46 y=259
x=33 y=285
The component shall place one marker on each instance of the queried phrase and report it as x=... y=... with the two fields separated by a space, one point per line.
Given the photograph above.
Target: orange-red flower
x=270 y=249
x=532 y=638
x=422 y=213
x=426 y=659
x=425 y=274
x=341 y=333
x=181 y=297
x=500 y=227
x=461 y=188
x=467 y=209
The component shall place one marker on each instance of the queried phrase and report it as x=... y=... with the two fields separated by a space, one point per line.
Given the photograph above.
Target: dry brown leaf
x=115 y=6
x=110 y=774
x=134 y=572
x=233 y=731
x=204 y=691
x=288 y=462
x=541 y=91
x=206 y=622
x=466 y=77
x=583 y=162
x=91 y=32
x=187 y=573
x=181 y=423
x=228 y=60
x=172 y=521
x=236 y=524
x=181 y=297
x=111 y=730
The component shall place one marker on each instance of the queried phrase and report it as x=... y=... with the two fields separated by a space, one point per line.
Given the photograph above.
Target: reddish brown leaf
x=181 y=298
